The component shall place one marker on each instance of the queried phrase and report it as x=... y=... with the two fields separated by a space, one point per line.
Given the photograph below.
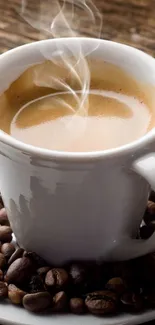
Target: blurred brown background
x=127 y=21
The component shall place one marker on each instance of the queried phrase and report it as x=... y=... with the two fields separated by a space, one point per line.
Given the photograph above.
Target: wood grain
x=128 y=21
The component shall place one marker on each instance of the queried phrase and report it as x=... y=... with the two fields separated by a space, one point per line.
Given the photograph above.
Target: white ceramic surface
x=11 y=315
x=77 y=205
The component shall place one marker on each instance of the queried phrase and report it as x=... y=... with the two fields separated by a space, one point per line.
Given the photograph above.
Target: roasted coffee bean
x=147 y=231
x=19 y=271
x=3 y=290
x=42 y=271
x=2 y=261
x=149 y=215
x=151 y=208
x=116 y=285
x=37 y=260
x=101 y=302
x=77 y=305
x=1 y=275
x=7 y=249
x=59 y=302
x=5 y=234
x=17 y=254
x=132 y=301
x=3 y=218
x=126 y=298
x=78 y=274
x=37 y=302
x=57 y=278
x=36 y=284
x=15 y=294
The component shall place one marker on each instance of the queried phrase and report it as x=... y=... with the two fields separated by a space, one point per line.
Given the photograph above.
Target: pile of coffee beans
x=77 y=287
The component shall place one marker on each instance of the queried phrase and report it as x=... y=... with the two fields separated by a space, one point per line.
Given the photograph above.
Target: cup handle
x=144 y=166
x=132 y=248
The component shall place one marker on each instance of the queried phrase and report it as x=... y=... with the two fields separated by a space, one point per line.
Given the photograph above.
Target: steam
x=65 y=20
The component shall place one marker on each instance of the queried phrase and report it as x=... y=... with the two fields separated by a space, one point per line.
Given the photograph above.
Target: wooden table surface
x=127 y=21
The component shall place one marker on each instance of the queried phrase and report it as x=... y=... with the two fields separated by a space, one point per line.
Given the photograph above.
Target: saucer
x=12 y=315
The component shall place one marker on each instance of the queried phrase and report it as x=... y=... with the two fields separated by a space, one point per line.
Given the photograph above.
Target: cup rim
x=76 y=156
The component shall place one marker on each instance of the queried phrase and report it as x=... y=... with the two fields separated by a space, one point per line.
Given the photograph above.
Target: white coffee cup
x=78 y=205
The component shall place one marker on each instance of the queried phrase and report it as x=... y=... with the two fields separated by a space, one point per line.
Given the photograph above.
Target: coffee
x=119 y=110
